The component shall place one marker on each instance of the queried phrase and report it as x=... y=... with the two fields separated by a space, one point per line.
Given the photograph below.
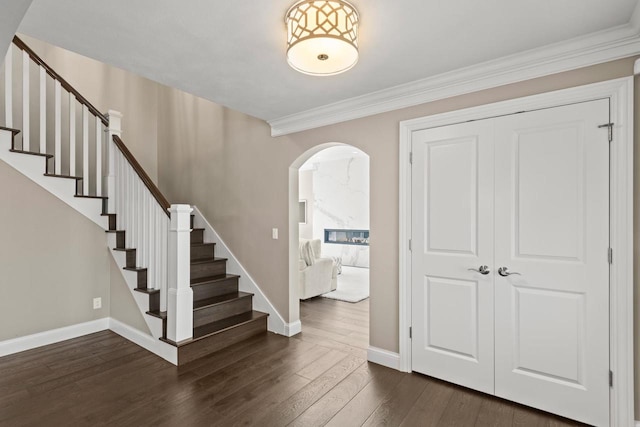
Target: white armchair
x=317 y=275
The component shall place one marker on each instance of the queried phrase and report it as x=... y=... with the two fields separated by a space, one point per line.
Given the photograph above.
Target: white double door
x=527 y=196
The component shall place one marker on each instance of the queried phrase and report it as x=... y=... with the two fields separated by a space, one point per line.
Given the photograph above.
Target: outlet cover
x=97 y=303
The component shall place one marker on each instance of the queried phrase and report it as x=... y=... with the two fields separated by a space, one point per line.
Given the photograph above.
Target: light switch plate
x=97 y=303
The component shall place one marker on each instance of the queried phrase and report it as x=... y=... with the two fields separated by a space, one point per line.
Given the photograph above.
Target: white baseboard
x=146 y=341
x=383 y=357
x=637 y=423
x=53 y=336
x=291 y=329
x=275 y=322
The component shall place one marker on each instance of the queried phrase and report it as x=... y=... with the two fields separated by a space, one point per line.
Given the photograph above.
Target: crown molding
x=603 y=46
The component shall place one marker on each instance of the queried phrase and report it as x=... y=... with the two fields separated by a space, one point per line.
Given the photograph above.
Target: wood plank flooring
x=320 y=377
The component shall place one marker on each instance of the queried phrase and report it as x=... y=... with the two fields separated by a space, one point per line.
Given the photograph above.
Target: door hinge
x=410 y=157
x=610 y=255
x=410 y=332
x=410 y=245
x=610 y=379
x=609 y=126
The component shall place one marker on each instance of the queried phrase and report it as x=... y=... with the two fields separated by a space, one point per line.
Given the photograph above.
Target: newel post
x=115 y=128
x=180 y=298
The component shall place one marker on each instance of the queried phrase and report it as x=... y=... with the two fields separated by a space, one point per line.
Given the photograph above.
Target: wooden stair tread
x=203 y=244
x=134 y=269
x=221 y=299
x=31 y=153
x=91 y=197
x=159 y=314
x=12 y=130
x=214 y=328
x=147 y=290
x=53 y=175
x=124 y=249
x=211 y=329
x=207 y=280
x=208 y=260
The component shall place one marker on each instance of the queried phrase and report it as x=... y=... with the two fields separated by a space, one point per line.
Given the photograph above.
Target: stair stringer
x=275 y=321
x=35 y=167
x=131 y=278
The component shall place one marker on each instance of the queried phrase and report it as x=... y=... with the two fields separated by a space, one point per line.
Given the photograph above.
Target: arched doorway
x=329 y=216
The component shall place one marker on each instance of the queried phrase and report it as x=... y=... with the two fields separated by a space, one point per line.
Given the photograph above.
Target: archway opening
x=329 y=243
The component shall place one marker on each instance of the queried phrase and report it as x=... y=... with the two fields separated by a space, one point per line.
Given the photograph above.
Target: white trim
x=33 y=167
x=636 y=67
x=591 y=49
x=383 y=357
x=637 y=423
x=293 y=328
x=620 y=92
x=275 y=322
x=53 y=336
x=146 y=341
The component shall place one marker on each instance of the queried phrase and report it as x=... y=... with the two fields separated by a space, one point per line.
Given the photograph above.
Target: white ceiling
x=233 y=52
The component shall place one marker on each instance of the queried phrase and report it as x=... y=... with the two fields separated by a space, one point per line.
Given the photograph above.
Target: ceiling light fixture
x=322 y=37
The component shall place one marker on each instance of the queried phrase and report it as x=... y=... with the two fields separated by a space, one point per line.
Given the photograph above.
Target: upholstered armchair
x=317 y=275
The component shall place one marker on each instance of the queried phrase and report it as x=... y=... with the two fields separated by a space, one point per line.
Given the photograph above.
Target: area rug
x=353 y=285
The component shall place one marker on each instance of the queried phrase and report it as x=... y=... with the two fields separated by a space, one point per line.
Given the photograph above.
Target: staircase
x=125 y=201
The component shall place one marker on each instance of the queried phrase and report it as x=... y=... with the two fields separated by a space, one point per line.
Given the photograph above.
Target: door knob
x=484 y=270
x=504 y=272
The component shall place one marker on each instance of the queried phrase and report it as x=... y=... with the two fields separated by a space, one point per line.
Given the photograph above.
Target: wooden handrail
x=22 y=46
x=155 y=191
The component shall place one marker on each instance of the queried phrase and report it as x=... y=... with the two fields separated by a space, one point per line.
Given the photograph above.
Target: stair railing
x=69 y=128
x=157 y=230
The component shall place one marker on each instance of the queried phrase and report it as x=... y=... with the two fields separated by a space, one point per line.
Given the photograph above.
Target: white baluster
x=8 y=88
x=43 y=110
x=134 y=213
x=180 y=295
x=85 y=150
x=130 y=189
x=115 y=128
x=164 y=247
x=72 y=134
x=153 y=266
x=25 y=101
x=98 y=156
x=145 y=231
x=120 y=191
x=57 y=160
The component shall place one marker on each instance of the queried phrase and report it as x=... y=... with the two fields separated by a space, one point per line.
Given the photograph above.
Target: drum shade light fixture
x=322 y=37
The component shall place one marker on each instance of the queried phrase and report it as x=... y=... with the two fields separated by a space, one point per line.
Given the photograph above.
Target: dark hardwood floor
x=320 y=377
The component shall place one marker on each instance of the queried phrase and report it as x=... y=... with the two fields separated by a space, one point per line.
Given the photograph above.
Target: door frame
x=620 y=94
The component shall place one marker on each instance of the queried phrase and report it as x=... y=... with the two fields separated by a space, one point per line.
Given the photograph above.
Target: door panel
x=452 y=210
x=552 y=227
x=451 y=171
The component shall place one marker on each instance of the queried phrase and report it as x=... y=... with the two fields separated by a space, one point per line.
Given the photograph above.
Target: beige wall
x=228 y=164
x=123 y=305
x=53 y=260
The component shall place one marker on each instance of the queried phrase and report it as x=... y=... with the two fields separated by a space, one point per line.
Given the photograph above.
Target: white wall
x=305 y=190
x=341 y=201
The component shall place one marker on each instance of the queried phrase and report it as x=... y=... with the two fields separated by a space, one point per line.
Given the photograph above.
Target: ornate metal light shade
x=322 y=36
